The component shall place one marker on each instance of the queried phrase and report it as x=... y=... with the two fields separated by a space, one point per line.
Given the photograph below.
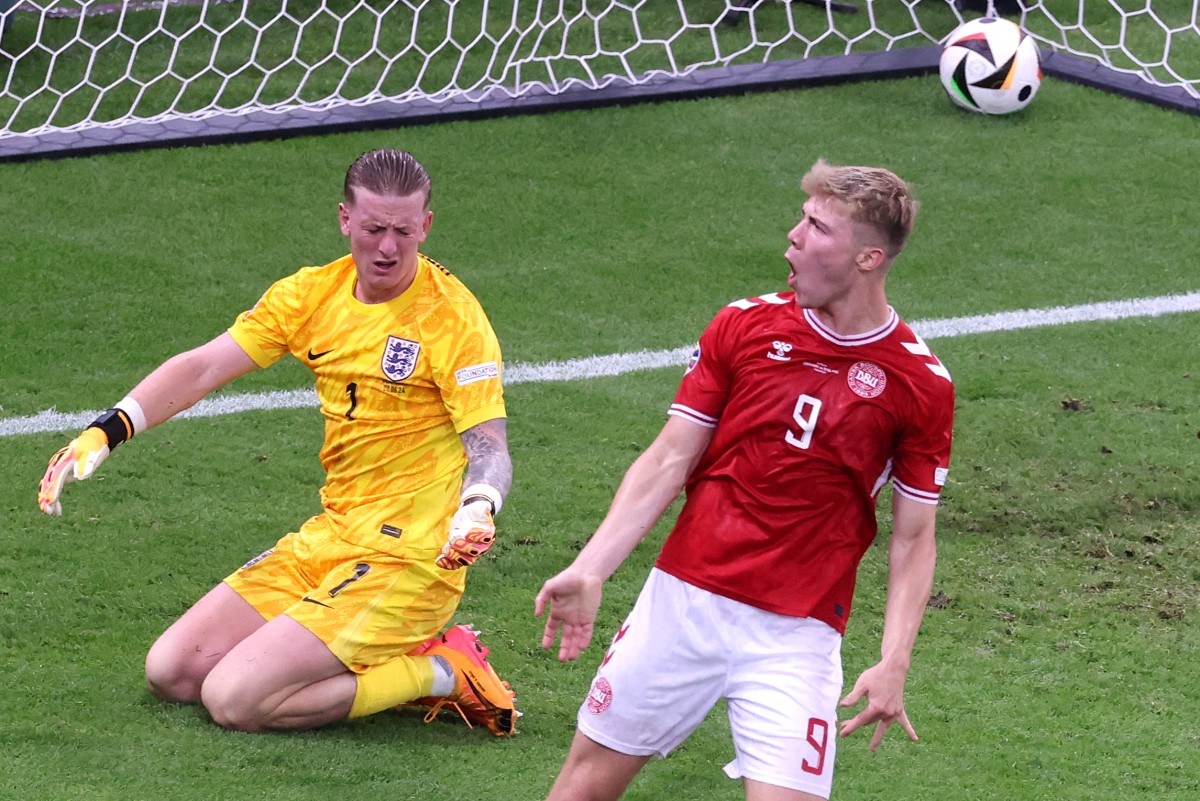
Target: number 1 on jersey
x=805 y=415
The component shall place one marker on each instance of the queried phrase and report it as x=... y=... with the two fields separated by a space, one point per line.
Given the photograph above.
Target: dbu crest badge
x=400 y=358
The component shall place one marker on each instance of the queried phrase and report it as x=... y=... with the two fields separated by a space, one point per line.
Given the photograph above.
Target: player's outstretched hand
x=75 y=462
x=570 y=602
x=472 y=532
x=883 y=687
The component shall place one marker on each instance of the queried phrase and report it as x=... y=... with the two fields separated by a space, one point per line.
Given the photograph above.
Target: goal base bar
x=822 y=70
x=1089 y=72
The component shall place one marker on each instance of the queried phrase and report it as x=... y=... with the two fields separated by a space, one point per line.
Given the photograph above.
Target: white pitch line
x=1058 y=315
x=620 y=363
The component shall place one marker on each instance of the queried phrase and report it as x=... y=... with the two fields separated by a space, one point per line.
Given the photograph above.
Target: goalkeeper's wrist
x=483 y=492
x=121 y=422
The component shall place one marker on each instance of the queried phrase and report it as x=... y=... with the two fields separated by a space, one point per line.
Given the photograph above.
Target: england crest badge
x=400 y=358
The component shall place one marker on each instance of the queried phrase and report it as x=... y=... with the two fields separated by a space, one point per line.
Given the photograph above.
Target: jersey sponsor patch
x=400 y=358
x=939 y=476
x=477 y=372
x=866 y=379
x=693 y=360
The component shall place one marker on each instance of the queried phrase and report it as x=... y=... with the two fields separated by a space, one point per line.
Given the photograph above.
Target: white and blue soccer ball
x=990 y=66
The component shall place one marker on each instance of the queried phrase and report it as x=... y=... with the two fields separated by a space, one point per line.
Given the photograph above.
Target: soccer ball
x=991 y=66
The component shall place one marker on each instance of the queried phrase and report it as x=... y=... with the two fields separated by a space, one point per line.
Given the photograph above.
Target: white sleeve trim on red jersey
x=688 y=413
x=913 y=494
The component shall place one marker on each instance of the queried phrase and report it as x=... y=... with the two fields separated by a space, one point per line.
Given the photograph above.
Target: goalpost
x=81 y=75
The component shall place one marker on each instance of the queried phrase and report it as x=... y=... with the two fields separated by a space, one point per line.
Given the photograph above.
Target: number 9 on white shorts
x=682 y=649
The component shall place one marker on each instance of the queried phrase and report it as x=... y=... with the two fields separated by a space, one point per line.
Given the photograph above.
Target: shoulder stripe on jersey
x=919 y=348
x=854 y=340
x=771 y=299
x=687 y=413
x=436 y=264
x=913 y=494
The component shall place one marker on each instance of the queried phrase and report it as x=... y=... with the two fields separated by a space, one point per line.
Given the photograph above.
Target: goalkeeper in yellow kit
x=343 y=618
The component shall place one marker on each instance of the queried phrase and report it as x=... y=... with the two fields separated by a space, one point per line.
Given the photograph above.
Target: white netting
x=80 y=65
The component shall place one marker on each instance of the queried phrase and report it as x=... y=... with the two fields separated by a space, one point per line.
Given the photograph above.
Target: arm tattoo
x=488 y=461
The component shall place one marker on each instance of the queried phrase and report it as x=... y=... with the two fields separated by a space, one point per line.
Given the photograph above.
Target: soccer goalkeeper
x=343 y=617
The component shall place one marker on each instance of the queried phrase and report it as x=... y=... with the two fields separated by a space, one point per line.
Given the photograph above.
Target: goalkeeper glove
x=472 y=529
x=82 y=455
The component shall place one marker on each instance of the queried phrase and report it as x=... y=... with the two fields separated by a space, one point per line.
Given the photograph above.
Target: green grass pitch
x=1058 y=658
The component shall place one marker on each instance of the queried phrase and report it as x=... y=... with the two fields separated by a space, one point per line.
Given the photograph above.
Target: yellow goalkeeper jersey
x=397 y=383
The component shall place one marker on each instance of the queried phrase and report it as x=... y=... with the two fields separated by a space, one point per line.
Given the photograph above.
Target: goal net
x=88 y=74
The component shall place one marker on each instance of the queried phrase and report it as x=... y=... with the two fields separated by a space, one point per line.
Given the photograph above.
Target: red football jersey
x=809 y=425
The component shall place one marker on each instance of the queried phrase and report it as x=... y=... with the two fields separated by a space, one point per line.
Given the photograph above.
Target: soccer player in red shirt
x=796 y=409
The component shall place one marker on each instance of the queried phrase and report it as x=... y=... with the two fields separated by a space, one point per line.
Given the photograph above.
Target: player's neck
x=851 y=316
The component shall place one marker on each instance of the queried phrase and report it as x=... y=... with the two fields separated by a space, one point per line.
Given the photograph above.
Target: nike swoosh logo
x=504 y=717
x=306 y=599
x=312 y=357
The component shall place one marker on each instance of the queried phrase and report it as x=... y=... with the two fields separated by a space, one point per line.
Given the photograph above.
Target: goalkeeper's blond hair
x=875 y=197
x=396 y=173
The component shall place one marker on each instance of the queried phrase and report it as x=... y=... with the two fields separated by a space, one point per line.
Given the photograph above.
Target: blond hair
x=395 y=173
x=875 y=197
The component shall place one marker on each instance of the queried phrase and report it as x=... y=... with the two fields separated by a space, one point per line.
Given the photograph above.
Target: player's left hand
x=472 y=532
x=883 y=687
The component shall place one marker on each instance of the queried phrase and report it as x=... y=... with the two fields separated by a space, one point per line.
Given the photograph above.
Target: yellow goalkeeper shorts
x=367 y=606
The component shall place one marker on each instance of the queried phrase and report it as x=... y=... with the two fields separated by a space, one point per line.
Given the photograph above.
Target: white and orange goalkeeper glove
x=82 y=455
x=472 y=529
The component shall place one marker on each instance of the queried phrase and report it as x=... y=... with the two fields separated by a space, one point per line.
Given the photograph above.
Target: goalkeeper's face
x=385 y=232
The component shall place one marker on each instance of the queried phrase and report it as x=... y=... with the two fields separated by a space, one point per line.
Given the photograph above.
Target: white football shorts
x=682 y=649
